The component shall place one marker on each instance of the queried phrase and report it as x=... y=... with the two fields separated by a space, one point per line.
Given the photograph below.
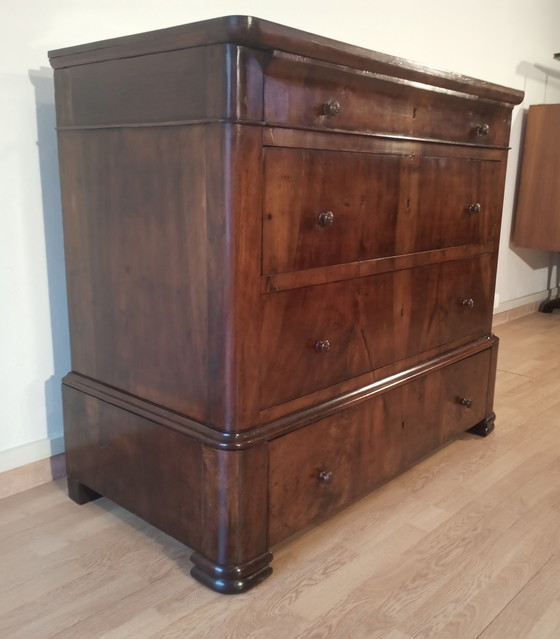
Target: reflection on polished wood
x=463 y=545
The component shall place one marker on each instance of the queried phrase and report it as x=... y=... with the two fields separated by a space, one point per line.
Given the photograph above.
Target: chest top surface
x=268 y=36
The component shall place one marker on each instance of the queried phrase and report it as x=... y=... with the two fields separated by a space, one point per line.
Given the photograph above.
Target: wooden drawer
x=327 y=464
x=466 y=297
x=315 y=203
x=444 y=404
x=317 y=336
x=367 y=323
x=324 y=207
x=303 y=94
x=414 y=310
x=311 y=338
x=444 y=202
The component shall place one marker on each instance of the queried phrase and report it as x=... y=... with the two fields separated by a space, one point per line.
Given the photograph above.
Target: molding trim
x=276 y=427
x=29 y=453
x=32 y=475
x=515 y=313
x=526 y=300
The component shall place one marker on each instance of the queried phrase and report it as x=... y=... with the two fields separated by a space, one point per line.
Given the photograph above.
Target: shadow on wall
x=42 y=81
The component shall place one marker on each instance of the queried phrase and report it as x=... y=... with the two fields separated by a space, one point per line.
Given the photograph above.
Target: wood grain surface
x=463 y=545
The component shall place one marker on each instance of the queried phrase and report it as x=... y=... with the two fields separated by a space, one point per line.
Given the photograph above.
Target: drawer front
x=311 y=97
x=310 y=339
x=466 y=297
x=323 y=207
x=448 y=402
x=317 y=336
x=367 y=323
x=315 y=203
x=327 y=464
x=444 y=202
x=414 y=310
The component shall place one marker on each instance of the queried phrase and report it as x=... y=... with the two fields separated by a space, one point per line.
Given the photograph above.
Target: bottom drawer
x=321 y=467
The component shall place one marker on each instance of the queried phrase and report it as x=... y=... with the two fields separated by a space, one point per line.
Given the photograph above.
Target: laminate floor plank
x=463 y=545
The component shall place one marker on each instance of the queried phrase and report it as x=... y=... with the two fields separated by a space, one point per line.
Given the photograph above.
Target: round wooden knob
x=331 y=108
x=466 y=402
x=482 y=129
x=323 y=346
x=468 y=303
x=475 y=208
x=325 y=477
x=325 y=218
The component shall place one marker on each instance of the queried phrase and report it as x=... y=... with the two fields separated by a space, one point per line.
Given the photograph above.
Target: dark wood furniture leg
x=485 y=427
x=79 y=493
x=549 y=305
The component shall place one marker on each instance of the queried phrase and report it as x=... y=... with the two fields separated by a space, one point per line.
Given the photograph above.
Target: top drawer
x=318 y=96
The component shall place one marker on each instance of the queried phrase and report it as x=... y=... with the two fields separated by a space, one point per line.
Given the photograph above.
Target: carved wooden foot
x=234 y=579
x=485 y=427
x=79 y=493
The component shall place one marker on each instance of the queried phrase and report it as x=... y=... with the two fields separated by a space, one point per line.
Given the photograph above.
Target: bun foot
x=485 y=427
x=232 y=579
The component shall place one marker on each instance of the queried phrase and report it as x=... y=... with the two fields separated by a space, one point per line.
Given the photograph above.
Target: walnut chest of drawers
x=281 y=255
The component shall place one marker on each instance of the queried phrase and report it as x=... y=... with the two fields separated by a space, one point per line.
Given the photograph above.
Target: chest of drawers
x=281 y=255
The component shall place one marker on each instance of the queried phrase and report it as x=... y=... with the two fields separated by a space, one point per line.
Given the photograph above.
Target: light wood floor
x=464 y=545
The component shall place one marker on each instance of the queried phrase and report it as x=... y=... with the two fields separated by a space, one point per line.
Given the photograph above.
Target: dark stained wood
x=234 y=526
x=115 y=453
x=371 y=143
x=465 y=388
x=537 y=218
x=297 y=90
x=315 y=470
x=281 y=253
x=282 y=417
x=207 y=83
x=455 y=201
x=369 y=323
x=460 y=283
x=360 y=447
x=291 y=415
x=375 y=266
x=457 y=397
x=233 y=554
x=137 y=262
x=398 y=311
x=79 y=493
x=293 y=322
x=241 y=236
x=300 y=184
x=262 y=34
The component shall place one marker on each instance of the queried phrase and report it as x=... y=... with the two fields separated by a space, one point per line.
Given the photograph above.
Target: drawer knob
x=482 y=129
x=475 y=208
x=325 y=218
x=331 y=108
x=323 y=346
x=466 y=402
x=325 y=476
x=468 y=303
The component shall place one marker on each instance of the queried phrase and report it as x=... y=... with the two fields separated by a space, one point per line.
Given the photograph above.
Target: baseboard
x=515 y=313
x=13 y=458
x=31 y=465
x=31 y=475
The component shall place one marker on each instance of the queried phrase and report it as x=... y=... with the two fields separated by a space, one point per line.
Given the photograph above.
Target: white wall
x=504 y=41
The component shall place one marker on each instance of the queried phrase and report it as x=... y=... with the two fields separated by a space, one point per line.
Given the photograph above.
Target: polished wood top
x=263 y=34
